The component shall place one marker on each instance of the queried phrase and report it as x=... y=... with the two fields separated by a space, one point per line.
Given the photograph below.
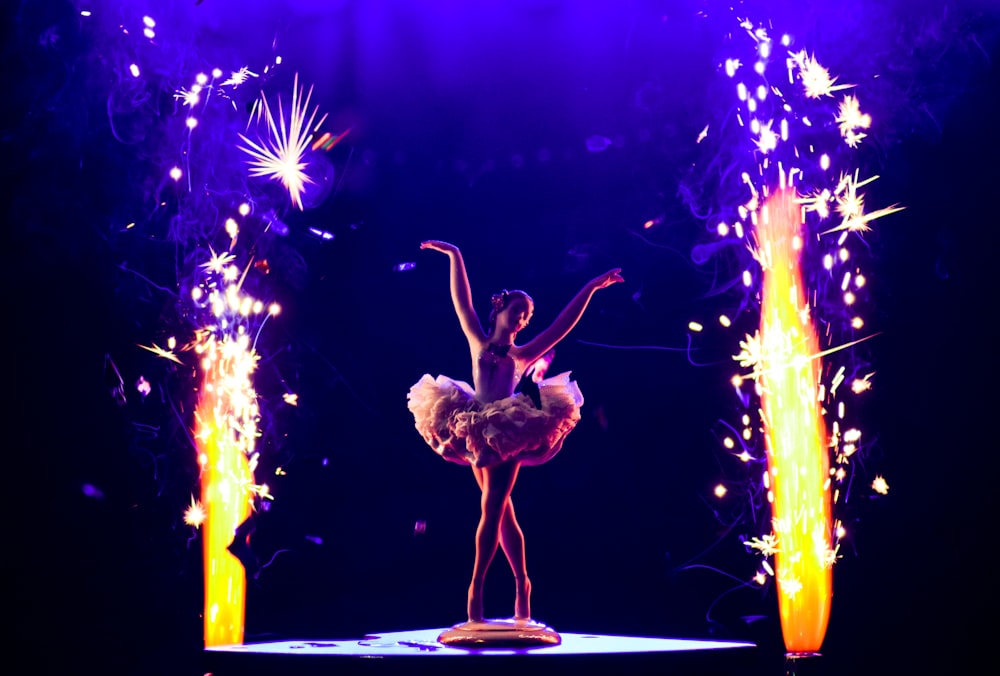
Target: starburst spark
x=190 y=97
x=850 y=205
x=281 y=156
x=767 y=139
x=195 y=514
x=766 y=544
x=218 y=262
x=850 y=119
x=238 y=77
x=816 y=80
x=750 y=352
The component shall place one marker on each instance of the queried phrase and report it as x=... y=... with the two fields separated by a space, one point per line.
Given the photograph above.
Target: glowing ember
x=880 y=486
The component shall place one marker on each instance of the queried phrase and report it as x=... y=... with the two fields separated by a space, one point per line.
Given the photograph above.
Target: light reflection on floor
x=424 y=641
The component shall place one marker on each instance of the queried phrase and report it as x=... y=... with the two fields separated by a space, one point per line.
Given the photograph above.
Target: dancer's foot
x=475 y=603
x=522 y=600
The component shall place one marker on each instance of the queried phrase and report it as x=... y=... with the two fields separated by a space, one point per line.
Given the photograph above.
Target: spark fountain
x=807 y=278
x=227 y=414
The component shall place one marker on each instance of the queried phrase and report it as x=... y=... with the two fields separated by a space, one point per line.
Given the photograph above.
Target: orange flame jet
x=798 y=462
x=226 y=479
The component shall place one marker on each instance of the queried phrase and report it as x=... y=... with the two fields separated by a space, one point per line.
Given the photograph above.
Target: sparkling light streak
x=161 y=352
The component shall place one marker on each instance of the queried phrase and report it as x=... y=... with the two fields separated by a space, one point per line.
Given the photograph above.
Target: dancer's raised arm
x=496 y=429
x=461 y=294
x=568 y=318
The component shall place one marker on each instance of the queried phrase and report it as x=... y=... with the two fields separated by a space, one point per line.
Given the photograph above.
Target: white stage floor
x=418 y=651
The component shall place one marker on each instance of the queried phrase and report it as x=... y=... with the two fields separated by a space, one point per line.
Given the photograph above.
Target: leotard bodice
x=495 y=373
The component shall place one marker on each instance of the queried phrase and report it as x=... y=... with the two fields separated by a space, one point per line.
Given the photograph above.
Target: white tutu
x=465 y=431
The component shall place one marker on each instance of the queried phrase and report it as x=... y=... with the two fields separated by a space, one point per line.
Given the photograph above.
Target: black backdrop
x=483 y=146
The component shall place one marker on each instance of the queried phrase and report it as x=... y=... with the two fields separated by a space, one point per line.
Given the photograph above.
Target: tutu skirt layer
x=468 y=432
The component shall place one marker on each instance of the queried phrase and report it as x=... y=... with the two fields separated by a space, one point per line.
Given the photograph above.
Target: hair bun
x=499 y=300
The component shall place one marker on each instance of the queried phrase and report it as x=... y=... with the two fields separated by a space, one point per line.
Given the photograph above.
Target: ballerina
x=492 y=428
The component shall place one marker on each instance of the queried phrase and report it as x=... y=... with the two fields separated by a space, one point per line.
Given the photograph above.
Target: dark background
x=472 y=126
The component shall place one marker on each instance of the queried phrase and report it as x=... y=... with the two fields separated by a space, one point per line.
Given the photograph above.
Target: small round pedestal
x=510 y=633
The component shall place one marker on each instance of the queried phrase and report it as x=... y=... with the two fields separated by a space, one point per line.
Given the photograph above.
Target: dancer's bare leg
x=497 y=484
x=513 y=539
x=512 y=544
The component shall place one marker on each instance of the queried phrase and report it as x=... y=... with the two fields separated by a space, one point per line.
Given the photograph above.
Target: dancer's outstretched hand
x=610 y=277
x=438 y=245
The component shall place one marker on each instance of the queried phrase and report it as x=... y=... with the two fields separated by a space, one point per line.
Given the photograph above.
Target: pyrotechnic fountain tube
x=798 y=461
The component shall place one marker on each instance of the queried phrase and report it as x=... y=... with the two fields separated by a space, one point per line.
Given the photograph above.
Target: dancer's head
x=511 y=310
